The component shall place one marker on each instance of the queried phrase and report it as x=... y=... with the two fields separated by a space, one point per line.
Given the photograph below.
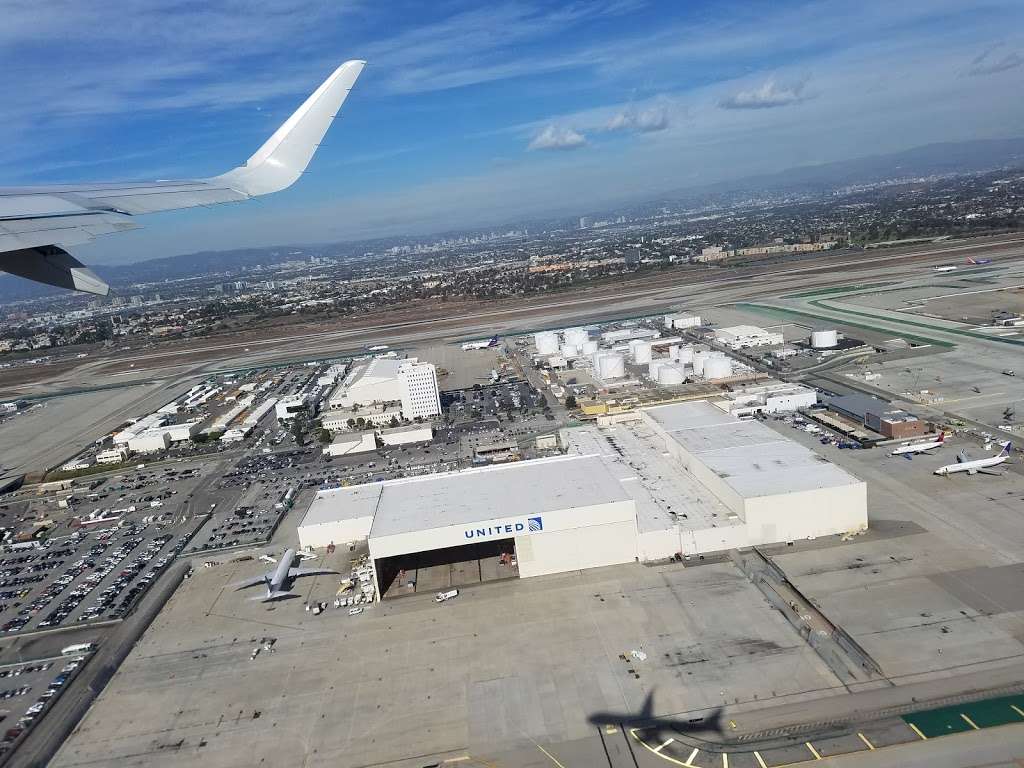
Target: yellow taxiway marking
x=689 y=760
x=461 y=759
x=1017 y=709
x=813 y=750
x=610 y=730
x=867 y=743
x=662 y=746
x=970 y=722
x=725 y=760
x=917 y=730
x=760 y=760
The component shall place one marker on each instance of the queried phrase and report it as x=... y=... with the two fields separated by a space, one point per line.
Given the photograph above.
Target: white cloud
x=769 y=94
x=987 y=63
x=558 y=137
x=649 y=120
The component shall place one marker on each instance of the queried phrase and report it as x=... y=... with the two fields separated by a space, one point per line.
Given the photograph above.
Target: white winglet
x=282 y=159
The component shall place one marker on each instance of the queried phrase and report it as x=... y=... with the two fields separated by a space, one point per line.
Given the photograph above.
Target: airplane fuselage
x=916 y=448
x=971 y=466
x=280 y=577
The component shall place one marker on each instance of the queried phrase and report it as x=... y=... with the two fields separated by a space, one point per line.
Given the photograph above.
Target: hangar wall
x=807 y=514
x=566 y=540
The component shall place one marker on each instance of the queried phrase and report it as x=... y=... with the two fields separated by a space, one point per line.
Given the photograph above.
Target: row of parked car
x=34 y=711
x=110 y=594
x=79 y=593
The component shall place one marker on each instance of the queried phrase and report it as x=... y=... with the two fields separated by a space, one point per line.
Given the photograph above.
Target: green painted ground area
x=786 y=312
x=834 y=290
x=984 y=714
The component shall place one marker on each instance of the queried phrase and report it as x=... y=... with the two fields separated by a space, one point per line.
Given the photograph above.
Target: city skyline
x=467 y=118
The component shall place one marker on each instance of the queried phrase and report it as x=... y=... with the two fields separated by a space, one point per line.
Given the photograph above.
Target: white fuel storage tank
x=546 y=342
x=824 y=339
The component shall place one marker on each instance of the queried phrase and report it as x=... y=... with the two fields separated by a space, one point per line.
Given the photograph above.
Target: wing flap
x=53 y=266
x=293 y=572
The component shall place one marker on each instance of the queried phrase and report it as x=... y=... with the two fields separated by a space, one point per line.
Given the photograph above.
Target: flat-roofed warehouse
x=552 y=515
x=781 y=490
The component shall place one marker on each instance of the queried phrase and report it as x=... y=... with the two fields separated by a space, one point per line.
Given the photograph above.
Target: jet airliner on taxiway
x=39 y=224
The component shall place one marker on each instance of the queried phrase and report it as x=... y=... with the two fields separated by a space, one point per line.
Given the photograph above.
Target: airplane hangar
x=550 y=515
x=683 y=479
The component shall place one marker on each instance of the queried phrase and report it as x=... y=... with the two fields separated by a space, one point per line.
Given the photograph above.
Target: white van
x=442 y=596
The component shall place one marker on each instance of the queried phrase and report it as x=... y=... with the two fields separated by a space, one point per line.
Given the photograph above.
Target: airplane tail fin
x=713 y=722
x=961 y=457
x=647 y=712
x=1006 y=449
x=942 y=437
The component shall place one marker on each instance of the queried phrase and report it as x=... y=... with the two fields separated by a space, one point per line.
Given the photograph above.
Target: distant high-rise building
x=585 y=222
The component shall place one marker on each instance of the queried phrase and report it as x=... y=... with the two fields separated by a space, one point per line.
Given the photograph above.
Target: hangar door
x=436 y=570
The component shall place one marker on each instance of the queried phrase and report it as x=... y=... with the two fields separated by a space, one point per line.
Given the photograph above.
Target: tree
x=393 y=422
x=361 y=423
x=570 y=401
x=351 y=423
x=323 y=435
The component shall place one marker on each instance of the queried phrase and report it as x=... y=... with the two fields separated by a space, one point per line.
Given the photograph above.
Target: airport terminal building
x=686 y=479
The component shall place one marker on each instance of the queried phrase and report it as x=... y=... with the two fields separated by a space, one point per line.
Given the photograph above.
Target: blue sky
x=476 y=113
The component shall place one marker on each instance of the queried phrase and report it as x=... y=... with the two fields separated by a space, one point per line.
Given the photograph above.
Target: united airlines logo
x=532 y=525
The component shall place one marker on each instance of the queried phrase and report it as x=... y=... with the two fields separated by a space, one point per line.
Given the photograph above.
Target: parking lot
x=100 y=551
x=28 y=689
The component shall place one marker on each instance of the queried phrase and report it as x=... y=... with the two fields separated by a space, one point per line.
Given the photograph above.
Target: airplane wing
x=253 y=581
x=294 y=572
x=39 y=224
x=987 y=472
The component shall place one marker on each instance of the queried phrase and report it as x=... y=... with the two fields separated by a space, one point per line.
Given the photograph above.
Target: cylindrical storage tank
x=673 y=352
x=824 y=339
x=685 y=355
x=670 y=375
x=546 y=342
x=613 y=366
x=588 y=347
x=640 y=351
x=654 y=366
x=698 y=362
x=570 y=350
x=575 y=336
x=717 y=368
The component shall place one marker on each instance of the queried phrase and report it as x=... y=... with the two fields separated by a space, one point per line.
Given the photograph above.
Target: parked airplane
x=377 y=348
x=949 y=268
x=973 y=467
x=471 y=345
x=40 y=223
x=978 y=261
x=645 y=718
x=912 y=448
x=278 y=579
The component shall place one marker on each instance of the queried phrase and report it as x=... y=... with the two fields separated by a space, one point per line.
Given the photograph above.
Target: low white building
x=150 y=441
x=290 y=406
x=742 y=336
x=352 y=442
x=185 y=431
x=677 y=321
x=776 y=397
x=112 y=456
x=338 y=421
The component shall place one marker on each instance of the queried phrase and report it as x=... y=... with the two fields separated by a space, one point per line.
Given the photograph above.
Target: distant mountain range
x=932 y=159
